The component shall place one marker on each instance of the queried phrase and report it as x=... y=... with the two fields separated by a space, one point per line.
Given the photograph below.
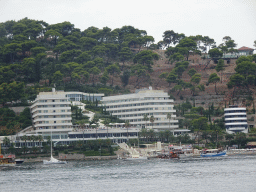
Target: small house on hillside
x=245 y=51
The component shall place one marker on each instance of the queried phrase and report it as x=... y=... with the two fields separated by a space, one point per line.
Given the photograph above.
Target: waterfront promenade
x=82 y=157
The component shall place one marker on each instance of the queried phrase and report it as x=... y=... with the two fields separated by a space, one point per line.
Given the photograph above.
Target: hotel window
x=62 y=111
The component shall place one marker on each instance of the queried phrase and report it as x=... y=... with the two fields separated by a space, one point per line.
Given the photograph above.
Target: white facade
x=133 y=107
x=235 y=119
x=51 y=110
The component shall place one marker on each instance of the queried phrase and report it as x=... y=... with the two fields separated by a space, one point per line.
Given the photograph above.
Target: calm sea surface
x=232 y=173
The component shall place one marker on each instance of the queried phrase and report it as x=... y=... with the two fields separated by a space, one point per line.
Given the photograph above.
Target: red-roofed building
x=245 y=51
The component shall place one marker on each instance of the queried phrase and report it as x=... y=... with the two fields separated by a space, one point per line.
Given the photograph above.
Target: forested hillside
x=35 y=56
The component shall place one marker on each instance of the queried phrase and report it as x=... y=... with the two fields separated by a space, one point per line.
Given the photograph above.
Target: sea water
x=231 y=173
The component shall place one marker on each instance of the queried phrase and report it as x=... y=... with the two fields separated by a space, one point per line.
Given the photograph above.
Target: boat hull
x=136 y=158
x=19 y=161
x=214 y=154
x=53 y=162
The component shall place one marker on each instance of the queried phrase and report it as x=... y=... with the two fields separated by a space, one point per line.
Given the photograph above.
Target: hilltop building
x=235 y=119
x=133 y=107
x=245 y=51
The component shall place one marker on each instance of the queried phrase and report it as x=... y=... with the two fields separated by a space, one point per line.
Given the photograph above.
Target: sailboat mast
x=51 y=143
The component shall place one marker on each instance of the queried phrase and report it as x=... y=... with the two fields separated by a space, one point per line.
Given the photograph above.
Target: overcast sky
x=213 y=18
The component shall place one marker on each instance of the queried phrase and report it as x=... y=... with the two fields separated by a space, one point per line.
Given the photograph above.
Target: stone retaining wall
x=67 y=157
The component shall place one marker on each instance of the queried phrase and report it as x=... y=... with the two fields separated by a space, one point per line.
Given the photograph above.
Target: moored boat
x=19 y=161
x=213 y=153
x=136 y=157
x=176 y=152
x=52 y=159
x=7 y=161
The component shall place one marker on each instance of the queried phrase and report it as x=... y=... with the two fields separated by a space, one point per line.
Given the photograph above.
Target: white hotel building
x=51 y=110
x=235 y=119
x=133 y=107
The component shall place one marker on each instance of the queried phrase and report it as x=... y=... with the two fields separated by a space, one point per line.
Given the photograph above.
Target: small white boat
x=19 y=161
x=136 y=157
x=53 y=160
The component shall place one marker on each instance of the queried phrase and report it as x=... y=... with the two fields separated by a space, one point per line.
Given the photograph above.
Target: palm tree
x=80 y=144
x=186 y=138
x=24 y=147
x=108 y=143
x=90 y=144
x=6 y=142
x=151 y=134
x=143 y=133
x=229 y=137
x=34 y=149
x=152 y=120
x=33 y=138
x=48 y=140
x=46 y=148
x=161 y=136
x=167 y=134
x=82 y=126
x=100 y=143
x=169 y=116
x=40 y=139
x=24 y=138
x=145 y=118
